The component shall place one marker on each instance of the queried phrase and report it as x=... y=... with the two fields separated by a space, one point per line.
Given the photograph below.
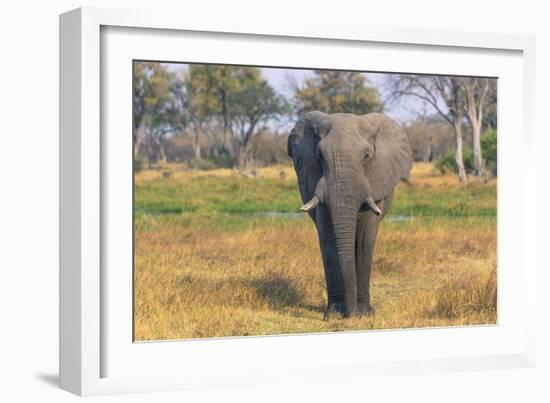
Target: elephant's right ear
x=296 y=134
x=291 y=143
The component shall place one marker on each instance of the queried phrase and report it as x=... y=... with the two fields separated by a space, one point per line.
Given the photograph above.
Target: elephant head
x=348 y=163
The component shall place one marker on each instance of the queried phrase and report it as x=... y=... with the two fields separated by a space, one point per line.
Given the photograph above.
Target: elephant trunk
x=344 y=233
x=343 y=203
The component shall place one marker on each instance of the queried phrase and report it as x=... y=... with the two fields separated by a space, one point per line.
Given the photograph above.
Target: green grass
x=231 y=194
x=209 y=261
x=238 y=195
x=425 y=201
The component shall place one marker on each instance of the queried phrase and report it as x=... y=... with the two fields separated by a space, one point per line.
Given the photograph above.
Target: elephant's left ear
x=392 y=158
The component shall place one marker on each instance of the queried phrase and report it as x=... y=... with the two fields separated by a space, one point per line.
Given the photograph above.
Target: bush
x=202 y=164
x=447 y=162
x=222 y=160
x=489 y=150
x=488 y=141
x=139 y=163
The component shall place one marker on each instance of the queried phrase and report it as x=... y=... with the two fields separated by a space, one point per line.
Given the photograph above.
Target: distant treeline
x=433 y=140
x=210 y=116
x=267 y=148
x=229 y=115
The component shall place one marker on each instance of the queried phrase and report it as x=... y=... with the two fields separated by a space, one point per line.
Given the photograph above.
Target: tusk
x=310 y=205
x=373 y=206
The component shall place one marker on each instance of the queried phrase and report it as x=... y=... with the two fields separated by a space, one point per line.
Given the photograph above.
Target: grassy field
x=219 y=254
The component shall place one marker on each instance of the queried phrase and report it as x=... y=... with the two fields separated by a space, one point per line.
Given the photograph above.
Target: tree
x=476 y=90
x=490 y=120
x=337 y=91
x=153 y=103
x=250 y=108
x=208 y=88
x=199 y=102
x=444 y=95
x=236 y=99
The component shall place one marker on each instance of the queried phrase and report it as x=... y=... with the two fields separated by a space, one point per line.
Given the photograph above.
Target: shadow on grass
x=278 y=292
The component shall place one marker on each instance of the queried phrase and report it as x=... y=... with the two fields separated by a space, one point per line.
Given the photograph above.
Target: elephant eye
x=318 y=153
x=368 y=153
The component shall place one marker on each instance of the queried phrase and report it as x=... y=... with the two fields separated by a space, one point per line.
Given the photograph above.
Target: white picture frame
x=96 y=354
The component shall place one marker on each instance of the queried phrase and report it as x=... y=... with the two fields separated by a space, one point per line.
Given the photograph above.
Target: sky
x=281 y=79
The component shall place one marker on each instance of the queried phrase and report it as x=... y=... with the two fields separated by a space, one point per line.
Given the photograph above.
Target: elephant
x=348 y=167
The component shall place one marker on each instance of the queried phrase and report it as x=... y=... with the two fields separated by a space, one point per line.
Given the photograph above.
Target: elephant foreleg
x=333 y=276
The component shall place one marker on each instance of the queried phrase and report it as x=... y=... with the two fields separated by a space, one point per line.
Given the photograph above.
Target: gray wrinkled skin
x=345 y=163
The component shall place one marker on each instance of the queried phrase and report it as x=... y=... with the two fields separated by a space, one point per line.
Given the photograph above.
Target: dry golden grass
x=425 y=174
x=183 y=173
x=195 y=278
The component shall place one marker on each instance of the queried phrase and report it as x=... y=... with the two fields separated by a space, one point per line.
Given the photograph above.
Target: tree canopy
x=337 y=91
x=231 y=104
x=218 y=111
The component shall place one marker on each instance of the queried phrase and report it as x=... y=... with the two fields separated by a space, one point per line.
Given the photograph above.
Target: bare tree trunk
x=149 y=147
x=476 y=140
x=458 y=154
x=162 y=151
x=160 y=145
x=242 y=160
x=139 y=137
x=246 y=141
x=475 y=99
x=137 y=144
x=243 y=157
x=197 y=149
x=428 y=156
x=478 y=158
x=226 y=146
